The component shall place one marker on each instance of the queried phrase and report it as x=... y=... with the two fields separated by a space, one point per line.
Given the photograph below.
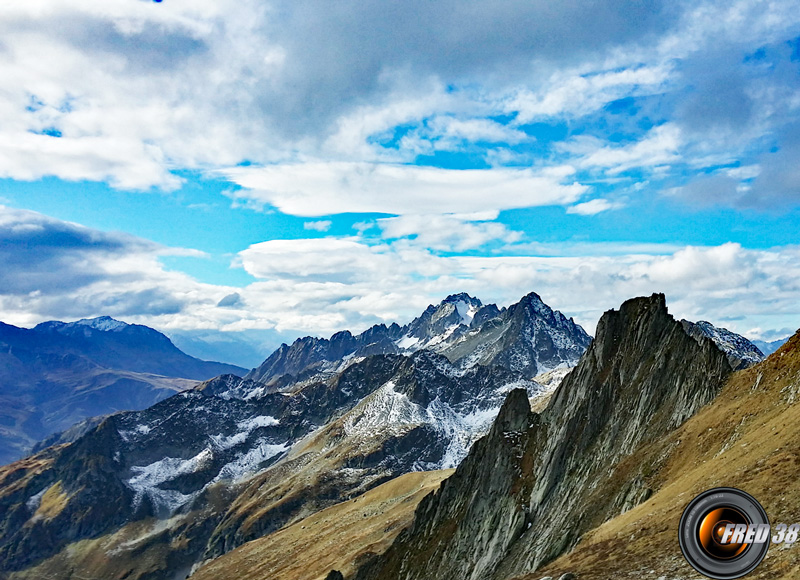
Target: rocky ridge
x=741 y=352
x=528 y=337
x=234 y=459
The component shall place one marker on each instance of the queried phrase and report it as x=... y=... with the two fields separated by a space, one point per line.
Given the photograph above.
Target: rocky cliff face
x=529 y=489
x=744 y=438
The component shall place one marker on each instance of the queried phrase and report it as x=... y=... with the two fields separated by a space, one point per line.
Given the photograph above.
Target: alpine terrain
x=198 y=474
x=489 y=480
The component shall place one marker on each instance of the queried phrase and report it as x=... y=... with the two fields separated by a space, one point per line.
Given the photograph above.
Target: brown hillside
x=747 y=438
x=334 y=538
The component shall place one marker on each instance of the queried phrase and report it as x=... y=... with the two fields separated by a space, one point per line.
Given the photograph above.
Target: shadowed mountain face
x=57 y=374
x=528 y=338
x=527 y=491
x=746 y=438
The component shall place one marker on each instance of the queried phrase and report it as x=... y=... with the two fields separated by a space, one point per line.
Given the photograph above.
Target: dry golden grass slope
x=748 y=438
x=334 y=538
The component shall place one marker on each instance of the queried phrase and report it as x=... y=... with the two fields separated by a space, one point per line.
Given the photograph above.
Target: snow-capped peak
x=466 y=311
x=103 y=323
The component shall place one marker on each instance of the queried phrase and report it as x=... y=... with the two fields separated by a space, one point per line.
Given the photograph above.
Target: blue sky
x=278 y=168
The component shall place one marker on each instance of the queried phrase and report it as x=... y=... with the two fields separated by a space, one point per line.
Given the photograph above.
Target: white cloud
x=658 y=148
x=52 y=269
x=395 y=281
x=331 y=259
x=319 y=225
x=450 y=133
x=446 y=232
x=744 y=172
x=124 y=163
x=576 y=94
x=323 y=188
x=476 y=130
x=318 y=286
x=592 y=207
x=138 y=90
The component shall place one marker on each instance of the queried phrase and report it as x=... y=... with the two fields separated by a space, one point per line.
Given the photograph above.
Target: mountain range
x=58 y=374
x=528 y=491
x=168 y=489
x=528 y=338
x=768 y=347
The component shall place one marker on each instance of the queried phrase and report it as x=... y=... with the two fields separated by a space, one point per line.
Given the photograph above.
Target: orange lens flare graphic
x=712 y=529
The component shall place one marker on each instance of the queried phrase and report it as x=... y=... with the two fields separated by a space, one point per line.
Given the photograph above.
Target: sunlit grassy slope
x=334 y=538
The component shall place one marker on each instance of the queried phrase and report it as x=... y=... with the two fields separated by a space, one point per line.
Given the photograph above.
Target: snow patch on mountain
x=550 y=380
x=256 y=422
x=148 y=478
x=407 y=342
x=249 y=462
x=225 y=442
x=152 y=480
x=389 y=411
x=466 y=311
x=384 y=409
x=103 y=323
x=35 y=501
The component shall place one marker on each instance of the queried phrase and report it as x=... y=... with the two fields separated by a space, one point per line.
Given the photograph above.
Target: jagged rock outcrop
x=528 y=337
x=529 y=489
